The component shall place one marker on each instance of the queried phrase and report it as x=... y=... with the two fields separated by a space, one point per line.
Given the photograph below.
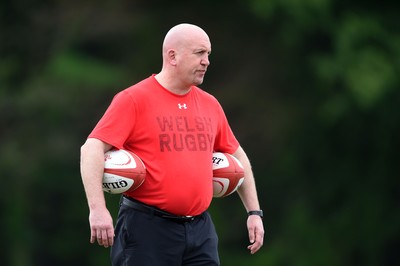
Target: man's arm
x=92 y=168
x=248 y=194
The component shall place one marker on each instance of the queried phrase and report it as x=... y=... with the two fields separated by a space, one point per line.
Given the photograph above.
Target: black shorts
x=144 y=239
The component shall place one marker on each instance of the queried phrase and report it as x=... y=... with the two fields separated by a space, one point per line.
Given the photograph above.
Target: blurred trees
x=311 y=89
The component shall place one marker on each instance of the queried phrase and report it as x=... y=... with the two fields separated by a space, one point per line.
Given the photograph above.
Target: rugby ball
x=124 y=171
x=228 y=174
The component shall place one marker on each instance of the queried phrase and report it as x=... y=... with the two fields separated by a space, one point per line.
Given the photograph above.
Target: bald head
x=182 y=35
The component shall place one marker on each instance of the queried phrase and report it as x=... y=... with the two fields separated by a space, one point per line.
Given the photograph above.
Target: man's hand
x=101 y=227
x=256 y=233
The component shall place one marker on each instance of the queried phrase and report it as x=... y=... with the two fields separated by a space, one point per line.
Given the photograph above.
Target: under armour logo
x=182 y=106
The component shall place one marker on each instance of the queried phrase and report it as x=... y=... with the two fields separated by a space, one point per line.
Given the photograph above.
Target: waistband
x=139 y=206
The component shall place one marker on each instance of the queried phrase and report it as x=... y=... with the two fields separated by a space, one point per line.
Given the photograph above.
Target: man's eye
x=202 y=52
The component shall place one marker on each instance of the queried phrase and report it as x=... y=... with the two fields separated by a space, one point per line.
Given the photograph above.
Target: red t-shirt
x=175 y=136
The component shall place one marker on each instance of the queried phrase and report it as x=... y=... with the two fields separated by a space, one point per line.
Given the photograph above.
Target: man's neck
x=171 y=84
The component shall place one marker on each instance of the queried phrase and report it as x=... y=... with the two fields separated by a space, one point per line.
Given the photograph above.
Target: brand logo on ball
x=219 y=160
x=121 y=184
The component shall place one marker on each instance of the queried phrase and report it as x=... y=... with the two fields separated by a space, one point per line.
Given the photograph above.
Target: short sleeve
x=117 y=122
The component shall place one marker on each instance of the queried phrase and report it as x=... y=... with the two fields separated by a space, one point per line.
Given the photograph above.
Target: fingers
x=93 y=236
x=252 y=235
x=256 y=234
x=110 y=234
x=256 y=245
x=101 y=227
x=104 y=237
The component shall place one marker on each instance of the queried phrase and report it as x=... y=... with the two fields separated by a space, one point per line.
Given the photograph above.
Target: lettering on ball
x=115 y=185
x=107 y=157
x=217 y=160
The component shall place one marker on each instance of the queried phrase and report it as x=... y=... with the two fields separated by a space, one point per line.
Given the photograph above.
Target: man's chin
x=198 y=81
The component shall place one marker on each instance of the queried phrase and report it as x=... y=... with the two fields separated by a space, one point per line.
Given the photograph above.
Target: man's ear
x=171 y=54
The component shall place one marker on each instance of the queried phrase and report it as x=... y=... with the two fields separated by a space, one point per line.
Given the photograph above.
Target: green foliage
x=77 y=70
x=311 y=89
x=362 y=61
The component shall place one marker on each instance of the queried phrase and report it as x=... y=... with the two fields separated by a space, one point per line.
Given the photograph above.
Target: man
x=174 y=127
